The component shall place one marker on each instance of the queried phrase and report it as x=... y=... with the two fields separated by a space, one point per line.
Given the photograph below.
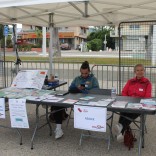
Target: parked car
x=65 y=46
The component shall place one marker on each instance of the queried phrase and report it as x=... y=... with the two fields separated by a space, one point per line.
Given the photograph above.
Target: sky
x=19 y=25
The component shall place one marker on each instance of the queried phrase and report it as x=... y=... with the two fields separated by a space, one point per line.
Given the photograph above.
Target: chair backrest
x=100 y=91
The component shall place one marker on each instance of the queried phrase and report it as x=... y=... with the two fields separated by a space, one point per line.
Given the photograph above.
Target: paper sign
x=18 y=113
x=2 y=108
x=90 y=118
x=29 y=79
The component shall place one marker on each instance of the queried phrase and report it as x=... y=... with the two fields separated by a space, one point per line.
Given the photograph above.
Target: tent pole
x=51 y=27
x=18 y=60
x=44 y=41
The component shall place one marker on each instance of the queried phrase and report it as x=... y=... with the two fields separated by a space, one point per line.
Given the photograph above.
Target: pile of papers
x=70 y=101
x=87 y=98
x=102 y=102
x=148 y=104
x=119 y=104
x=134 y=105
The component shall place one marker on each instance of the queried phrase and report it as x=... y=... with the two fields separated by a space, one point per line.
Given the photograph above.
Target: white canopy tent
x=64 y=13
x=76 y=12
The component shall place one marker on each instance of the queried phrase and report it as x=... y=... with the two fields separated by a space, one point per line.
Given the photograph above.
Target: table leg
x=48 y=122
x=36 y=125
x=141 y=138
x=19 y=132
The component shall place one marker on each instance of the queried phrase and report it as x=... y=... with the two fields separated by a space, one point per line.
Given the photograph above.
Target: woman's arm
x=125 y=89
x=148 y=93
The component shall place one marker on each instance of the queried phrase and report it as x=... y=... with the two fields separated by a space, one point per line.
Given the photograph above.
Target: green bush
x=2 y=43
x=9 y=42
x=20 y=48
x=95 y=45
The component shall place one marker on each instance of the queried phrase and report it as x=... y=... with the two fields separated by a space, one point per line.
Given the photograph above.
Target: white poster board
x=29 y=79
x=18 y=113
x=2 y=108
x=90 y=118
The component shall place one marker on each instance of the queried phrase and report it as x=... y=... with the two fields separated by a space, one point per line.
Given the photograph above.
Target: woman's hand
x=81 y=87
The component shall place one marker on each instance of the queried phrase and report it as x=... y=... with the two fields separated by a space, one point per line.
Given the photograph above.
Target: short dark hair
x=85 y=65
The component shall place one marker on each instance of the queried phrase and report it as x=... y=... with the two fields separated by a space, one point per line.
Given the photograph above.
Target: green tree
x=99 y=33
x=9 y=42
x=38 y=32
x=1 y=36
x=94 y=45
x=1 y=31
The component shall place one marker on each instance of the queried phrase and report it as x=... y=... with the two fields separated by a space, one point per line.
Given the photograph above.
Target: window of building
x=134 y=26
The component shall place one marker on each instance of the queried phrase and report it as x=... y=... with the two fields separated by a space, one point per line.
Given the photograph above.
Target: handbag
x=129 y=138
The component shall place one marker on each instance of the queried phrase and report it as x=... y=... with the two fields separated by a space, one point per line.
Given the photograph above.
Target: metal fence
x=137 y=44
x=2 y=81
x=107 y=75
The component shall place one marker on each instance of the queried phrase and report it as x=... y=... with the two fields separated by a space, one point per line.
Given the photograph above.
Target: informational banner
x=29 y=79
x=18 y=113
x=2 y=108
x=90 y=118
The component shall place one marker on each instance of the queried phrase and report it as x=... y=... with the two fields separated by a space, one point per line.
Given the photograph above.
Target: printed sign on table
x=29 y=79
x=90 y=118
x=2 y=108
x=18 y=113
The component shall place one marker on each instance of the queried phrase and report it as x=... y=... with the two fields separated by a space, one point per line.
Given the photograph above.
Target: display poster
x=29 y=79
x=18 y=113
x=90 y=118
x=2 y=108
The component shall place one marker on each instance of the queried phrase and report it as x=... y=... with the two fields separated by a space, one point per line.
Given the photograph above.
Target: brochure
x=70 y=101
x=134 y=105
x=82 y=102
x=52 y=98
x=104 y=102
x=120 y=104
x=148 y=106
x=87 y=98
x=148 y=101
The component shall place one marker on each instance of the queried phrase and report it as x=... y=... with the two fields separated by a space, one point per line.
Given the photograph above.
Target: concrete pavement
x=45 y=145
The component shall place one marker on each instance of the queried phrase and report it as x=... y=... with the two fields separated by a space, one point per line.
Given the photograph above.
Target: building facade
x=71 y=35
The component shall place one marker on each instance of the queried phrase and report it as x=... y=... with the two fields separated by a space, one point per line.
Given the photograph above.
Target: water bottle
x=56 y=77
x=113 y=93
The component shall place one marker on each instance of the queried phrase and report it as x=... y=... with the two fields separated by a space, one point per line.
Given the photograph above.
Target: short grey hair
x=138 y=65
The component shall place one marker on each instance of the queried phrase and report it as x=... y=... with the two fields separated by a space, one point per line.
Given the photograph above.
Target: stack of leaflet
x=134 y=105
x=105 y=102
x=102 y=102
x=86 y=98
x=119 y=104
x=148 y=104
x=70 y=101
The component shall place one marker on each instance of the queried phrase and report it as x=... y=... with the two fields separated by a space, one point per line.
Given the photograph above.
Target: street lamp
x=105 y=42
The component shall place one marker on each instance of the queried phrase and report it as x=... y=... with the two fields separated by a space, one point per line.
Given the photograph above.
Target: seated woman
x=80 y=84
x=139 y=86
x=85 y=81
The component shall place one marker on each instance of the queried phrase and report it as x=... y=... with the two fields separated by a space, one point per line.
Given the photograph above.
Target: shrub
x=95 y=45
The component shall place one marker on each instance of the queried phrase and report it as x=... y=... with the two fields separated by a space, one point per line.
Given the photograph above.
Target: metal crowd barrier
x=107 y=75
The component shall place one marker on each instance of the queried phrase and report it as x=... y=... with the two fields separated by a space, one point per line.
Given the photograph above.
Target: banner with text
x=90 y=118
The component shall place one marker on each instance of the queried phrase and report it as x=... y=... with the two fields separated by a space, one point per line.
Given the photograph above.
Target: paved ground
x=45 y=145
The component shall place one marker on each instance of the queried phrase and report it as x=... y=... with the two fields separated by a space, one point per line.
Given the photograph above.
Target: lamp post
x=105 y=42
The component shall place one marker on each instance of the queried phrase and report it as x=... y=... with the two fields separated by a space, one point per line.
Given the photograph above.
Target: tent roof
x=76 y=13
